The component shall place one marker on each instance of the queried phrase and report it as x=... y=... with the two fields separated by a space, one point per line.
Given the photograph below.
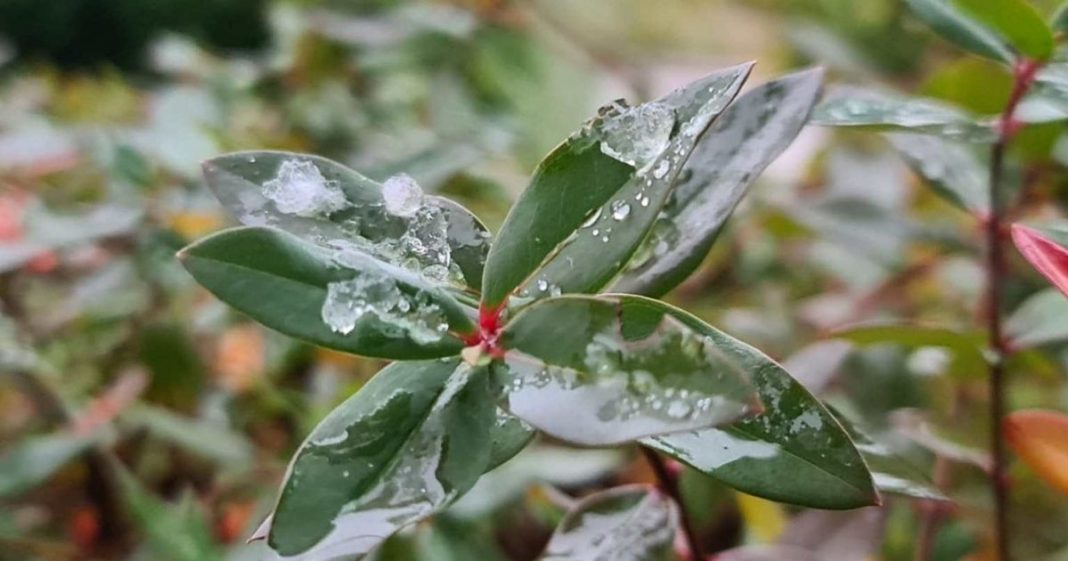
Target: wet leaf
x=328 y=204
x=1017 y=21
x=1045 y=248
x=794 y=452
x=1040 y=319
x=1040 y=438
x=952 y=169
x=411 y=441
x=611 y=369
x=750 y=134
x=33 y=460
x=510 y=435
x=954 y=24
x=891 y=473
x=366 y=307
x=631 y=522
x=857 y=107
x=594 y=198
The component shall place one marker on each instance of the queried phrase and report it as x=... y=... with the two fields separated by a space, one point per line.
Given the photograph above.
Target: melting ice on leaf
x=630 y=523
x=412 y=440
x=593 y=199
x=626 y=369
x=330 y=205
x=301 y=289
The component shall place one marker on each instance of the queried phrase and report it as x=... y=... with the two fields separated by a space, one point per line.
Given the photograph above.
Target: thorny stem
x=995 y=277
x=669 y=484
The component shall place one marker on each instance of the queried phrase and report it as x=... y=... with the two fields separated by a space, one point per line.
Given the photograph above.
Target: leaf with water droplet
x=750 y=134
x=626 y=369
x=793 y=452
x=858 y=107
x=585 y=183
x=892 y=473
x=333 y=206
x=411 y=441
x=628 y=523
x=284 y=283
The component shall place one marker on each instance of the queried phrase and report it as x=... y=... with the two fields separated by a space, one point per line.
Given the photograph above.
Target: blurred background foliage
x=142 y=419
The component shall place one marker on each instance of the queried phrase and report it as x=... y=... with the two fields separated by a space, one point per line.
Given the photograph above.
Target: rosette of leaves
x=551 y=326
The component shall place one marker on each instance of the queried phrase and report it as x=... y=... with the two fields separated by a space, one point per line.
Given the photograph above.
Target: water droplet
x=661 y=169
x=347 y=302
x=620 y=210
x=592 y=218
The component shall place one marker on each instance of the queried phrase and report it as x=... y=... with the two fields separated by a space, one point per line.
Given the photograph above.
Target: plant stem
x=669 y=484
x=995 y=276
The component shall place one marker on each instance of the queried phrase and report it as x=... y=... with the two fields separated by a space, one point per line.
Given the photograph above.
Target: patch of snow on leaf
x=300 y=189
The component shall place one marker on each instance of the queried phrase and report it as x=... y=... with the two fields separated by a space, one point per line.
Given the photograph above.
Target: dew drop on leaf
x=620 y=210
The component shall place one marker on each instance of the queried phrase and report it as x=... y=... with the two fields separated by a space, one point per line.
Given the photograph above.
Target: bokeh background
x=142 y=419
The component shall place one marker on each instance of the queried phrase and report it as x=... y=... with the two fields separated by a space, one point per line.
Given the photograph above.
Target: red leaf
x=1048 y=256
x=1040 y=438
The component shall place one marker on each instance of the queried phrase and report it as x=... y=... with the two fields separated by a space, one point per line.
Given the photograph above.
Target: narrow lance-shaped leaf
x=750 y=134
x=892 y=473
x=1040 y=319
x=858 y=107
x=611 y=369
x=360 y=305
x=331 y=205
x=509 y=435
x=794 y=452
x=33 y=460
x=408 y=443
x=955 y=25
x=1017 y=21
x=593 y=199
x=951 y=168
x=634 y=522
x=1047 y=250
x=966 y=347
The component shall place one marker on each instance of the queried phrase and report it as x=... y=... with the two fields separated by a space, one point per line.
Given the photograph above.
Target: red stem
x=995 y=277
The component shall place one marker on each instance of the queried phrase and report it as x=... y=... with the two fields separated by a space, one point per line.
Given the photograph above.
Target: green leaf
x=411 y=441
x=1017 y=21
x=510 y=435
x=891 y=473
x=955 y=25
x=795 y=452
x=328 y=204
x=1059 y=22
x=952 y=169
x=200 y=437
x=284 y=283
x=1041 y=319
x=750 y=134
x=857 y=107
x=635 y=522
x=173 y=532
x=34 y=459
x=967 y=348
x=599 y=370
x=594 y=198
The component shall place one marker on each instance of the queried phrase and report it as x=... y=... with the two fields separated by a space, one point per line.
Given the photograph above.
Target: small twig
x=669 y=484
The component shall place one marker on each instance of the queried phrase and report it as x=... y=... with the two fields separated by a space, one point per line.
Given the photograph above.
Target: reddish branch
x=1008 y=126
